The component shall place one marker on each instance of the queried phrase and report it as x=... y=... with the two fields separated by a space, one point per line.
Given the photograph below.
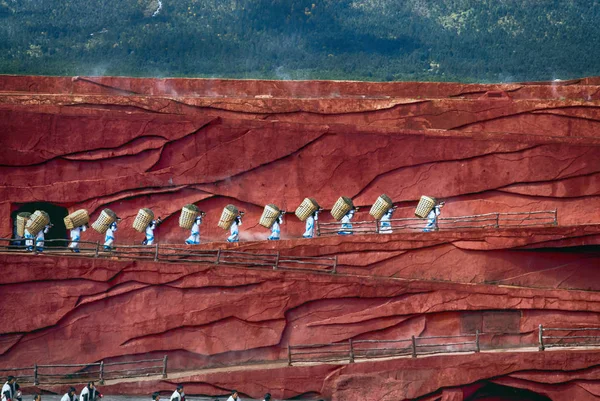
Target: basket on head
x=77 y=219
x=106 y=218
x=143 y=218
x=229 y=214
x=21 y=222
x=381 y=206
x=269 y=216
x=341 y=207
x=306 y=208
x=424 y=207
x=37 y=221
x=188 y=216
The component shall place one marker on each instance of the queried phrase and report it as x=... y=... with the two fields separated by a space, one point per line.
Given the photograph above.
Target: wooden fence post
x=376 y=226
x=35 y=375
x=414 y=347
x=101 y=379
x=477 y=348
x=351 y=351
x=156 y=253
x=318 y=228
x=218 y=256
x=497 y=220
x=555 y=217
x=289 y=355
x=277 y=261
x=97 y=249
x=541 y=338
x=334 y=270
x=164 y=372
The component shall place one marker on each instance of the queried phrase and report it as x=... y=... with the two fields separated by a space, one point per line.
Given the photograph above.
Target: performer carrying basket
x=344 y=210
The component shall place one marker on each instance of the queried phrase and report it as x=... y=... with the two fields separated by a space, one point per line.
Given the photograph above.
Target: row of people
x=385 y=227
x=11 y=392
x=179 y=395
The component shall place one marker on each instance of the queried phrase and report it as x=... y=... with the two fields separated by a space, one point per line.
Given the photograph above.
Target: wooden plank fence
x=84 y=372
x=478 y=221
x=166 y=253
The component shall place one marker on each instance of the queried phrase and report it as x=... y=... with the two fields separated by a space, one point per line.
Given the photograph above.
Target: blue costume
x=432 y=219
x=385 y=226
x=276 y=229
x=39 y=241
x=194 y=238
x=150 y=232
x=310 y=225
x=76 y=237
x=109 y=238
x=234 y=230
x=346 y=225
x=29 y=240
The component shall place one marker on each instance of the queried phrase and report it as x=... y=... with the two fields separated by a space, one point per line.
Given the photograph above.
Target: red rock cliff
x=129 y=143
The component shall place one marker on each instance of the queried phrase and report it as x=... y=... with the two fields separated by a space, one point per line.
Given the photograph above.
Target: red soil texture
x=126 y=143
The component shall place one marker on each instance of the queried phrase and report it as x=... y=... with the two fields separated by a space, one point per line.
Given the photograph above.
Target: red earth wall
x=128 y=143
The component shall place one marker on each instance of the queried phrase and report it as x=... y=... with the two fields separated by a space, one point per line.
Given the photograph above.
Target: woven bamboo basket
x=21 y=222
x=229 y=214
x=77 y=219
x=424 y=207
x=143 y=218
x=188 y=216
x=306 y=208
x=341 y=207
x=106 y=218
x=381 y=206
x=269 y=216
x=36 y=223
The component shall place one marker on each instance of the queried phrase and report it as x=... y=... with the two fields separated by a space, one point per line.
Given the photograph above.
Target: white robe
x=276 y=229
x=86 y=392
x=76 y=236
x=385 y=227
x=67 y=398
x=109 y=237
x=234 y=231
x=194 y=238
x=310 y=225
x=39 y=241
x=5 y=388
x=150 y=233
x=176 y=396
x=346 y=223
x=432 y=219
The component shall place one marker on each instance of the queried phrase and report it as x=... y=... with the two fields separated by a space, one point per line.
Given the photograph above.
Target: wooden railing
x=369 y=349
x=478 y=221
x=81 y=373
x=166 y=253
x=568 y=337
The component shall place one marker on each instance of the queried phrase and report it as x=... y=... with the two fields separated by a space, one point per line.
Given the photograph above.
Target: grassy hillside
x=459 y=40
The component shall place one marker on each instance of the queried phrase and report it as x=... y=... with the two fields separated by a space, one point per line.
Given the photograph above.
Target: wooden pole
x=164 y=371
x=277 y=261
x=351 y=351
x=218 y=256
x=156 y=253
x=35 y=375
x=101 y=379
x=477 y=348
x=97 y=249
x=334 y=265
x=289 y=355
x=414 y=346
x=541 y=338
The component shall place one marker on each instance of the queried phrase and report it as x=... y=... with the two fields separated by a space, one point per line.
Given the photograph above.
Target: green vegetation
x=383 y=40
